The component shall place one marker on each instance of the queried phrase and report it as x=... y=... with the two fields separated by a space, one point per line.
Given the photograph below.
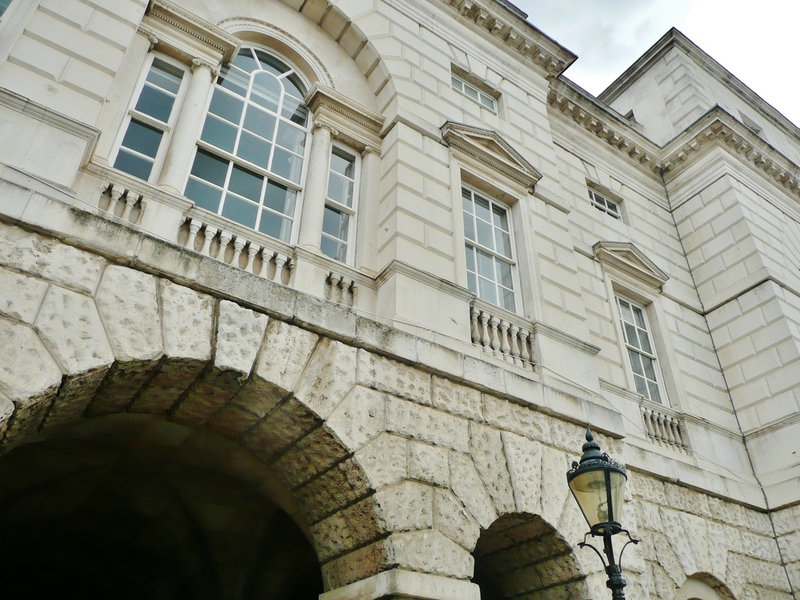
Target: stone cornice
x=629 y=259
x=351 y=119
x=553 y=333
x=399 y=267
x=508 y=25
x=490 y=148
x=200 y=38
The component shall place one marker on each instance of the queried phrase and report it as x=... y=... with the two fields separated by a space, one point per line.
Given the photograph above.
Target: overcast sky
x=759 y=42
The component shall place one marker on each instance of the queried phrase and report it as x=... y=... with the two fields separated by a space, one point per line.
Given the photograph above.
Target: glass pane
x=625 y=311
x=155 y=103
x=266 y=91
x=219 y=133
x=637 y=314
x=203 y=194
x=340 y=189
x=471 y=92
x=259 y=122
x=502 y=242
x=507 y=299
x=470 y=259
x=275 y=225
x=645 y=340
x=655 y=395
x=504 y=274
x=487 y=290
x=135 y=165
x=295 y=111
x=226 y=106
x=466 y=201
x=500 y=217
x=485 y=234
x=636 y=365
x=280 y=198
x=457 y=84
x=246 y=183
x=142 y=138
x=287 y=165
x=335 y=249
x=630 y=335
x=291 y=138
x=469 y=227
x=234 y=80
x=482 y=209
x=649 y=368
x=245 y=61
x=471 y=283
x=485 y=265
x=343 y=163
x=254 y=149
x=294 y=86
x=487 y=101
x=210 y=167
x=240 y=211
x=165 y=76
x=335 y=223
x=641 y=385
x=271 y=64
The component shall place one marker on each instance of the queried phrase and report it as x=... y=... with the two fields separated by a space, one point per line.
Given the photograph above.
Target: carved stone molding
x=489 y=148
x=629 y=259
x=355 y=124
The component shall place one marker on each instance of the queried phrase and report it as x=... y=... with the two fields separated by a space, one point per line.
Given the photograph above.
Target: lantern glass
x=591 y=492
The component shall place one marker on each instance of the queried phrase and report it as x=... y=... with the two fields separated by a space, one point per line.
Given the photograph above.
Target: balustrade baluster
x=238 y=246
x=485 y=339
x=130 y=200
x=224 y=239
x=493 y=323
x=194 y=228
x=252 y=252
x=474 y=328
x=116 y=194
x=515 y=353
x=504 y=345
x=209 y=234
x=524 y=336
x=280 y=261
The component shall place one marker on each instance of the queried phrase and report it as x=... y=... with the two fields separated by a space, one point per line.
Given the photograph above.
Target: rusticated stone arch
x=96 y=340
x=521 y=555
x=703 y=586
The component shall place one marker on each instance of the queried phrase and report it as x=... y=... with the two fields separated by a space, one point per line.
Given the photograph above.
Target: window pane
x=645 y=341
x=291 y=138
x=165 y=76
x=466 y=201
x=625 y=311
x=502 y=242
x=280 y=198
x=470 y=258
x=655 y=395
x=343 y=163
x=203 y=194
x=142 y=138
x=641 y=385
x=254 y=149
x=275 y=225
x=209 y=167
x=234 y=80
x=504 y=274
x=287 y=165
x=226 y=106
x=471 y=92
x=155 y=103
x=482 y=209
x=630 y=335
x=259 y=122
x=295 y=111
x=469 y=227
x=649 y=370
x=485 y=234
x=487 y=290
x=240 y=211
x=335 y=249
x=471 y=283
x=485 y=265
x=638 y=316
x=271 y=63
x=246 y=183
x=340 y=189
x=487 y=101
x=500 y=216
x=507 y=299
x=335 y=223
x=636 y=365
x=245 y=61
x=219 y=133
x=266 y=91
x=135 y=165
x=294 y=86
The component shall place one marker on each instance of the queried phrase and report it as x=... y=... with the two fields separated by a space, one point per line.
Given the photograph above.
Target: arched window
x=249 y=160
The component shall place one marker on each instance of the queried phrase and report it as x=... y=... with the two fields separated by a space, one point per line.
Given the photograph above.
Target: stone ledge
x=405 y=584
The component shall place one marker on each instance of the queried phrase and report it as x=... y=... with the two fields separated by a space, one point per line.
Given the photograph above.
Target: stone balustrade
x=123 y=202
x=501 y=334
x=340 y=288
x=664 y=428
x=262 y=256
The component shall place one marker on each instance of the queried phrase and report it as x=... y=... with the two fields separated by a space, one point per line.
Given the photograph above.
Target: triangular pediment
x=490 y=148
x=629 y=259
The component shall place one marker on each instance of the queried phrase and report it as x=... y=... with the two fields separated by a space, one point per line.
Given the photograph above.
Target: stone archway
x=703 y=586
x=521 y=555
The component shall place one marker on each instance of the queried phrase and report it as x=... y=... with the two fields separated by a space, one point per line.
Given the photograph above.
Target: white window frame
x=511 y=260
x=351 y=210
x=604 y=204
x=461 y=85
x=166 y=128
x=658 y=381
x=299 y=186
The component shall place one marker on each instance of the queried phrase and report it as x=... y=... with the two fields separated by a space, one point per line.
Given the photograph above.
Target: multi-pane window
x=640 y=349
x=602 y=203
x=249 y=160
x=338 y=221
x=470 y=91
x=150 y=119
x=490 y=263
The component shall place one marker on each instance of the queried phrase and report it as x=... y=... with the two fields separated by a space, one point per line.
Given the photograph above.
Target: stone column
x=316 y=187
x=366 y=243
x=192 y=112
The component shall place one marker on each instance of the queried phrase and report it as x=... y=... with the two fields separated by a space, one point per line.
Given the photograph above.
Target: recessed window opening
x=340 y=205
x=602 y=203
x=641 y=353
x=250 y=154
x=473 y=93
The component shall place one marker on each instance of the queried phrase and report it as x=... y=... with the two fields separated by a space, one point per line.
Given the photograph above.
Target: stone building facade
x=303 y=297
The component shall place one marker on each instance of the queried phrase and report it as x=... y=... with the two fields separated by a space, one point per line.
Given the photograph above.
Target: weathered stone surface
x=207 y=395
x=451 y=518
x=334 y=489
x=457 y=399
x=393 y=377
x=358 y=564
x=431 y=552
x=554 y=492
x=524 y=458
x=406 y=505
x=427 y=424
x=486 y=449
x=310 y=456
x=240 y=332
x=127 y=302
x=173 y=378
x=347 y=529
x=328 y=377
x=428 y=463
x=74 y=395
x=69 y=325
x=468 y=487
x=280 y=429
x=21 y=295
x=121 y=385
x=513 y=417
x=679 y=539
x=49 y=258
x=384 y=459
x=26 y=368
x=359 y=417
x=188 y=322
x=284 y=354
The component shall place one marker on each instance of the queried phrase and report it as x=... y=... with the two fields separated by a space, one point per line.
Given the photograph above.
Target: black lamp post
x=598 y=484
